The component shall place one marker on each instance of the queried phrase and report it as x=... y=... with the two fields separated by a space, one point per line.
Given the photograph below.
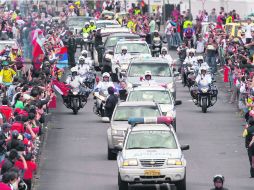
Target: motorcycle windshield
x=203 y=83
x=74 y=84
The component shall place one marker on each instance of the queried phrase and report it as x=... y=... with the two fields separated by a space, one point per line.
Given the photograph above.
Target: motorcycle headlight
x=204 y=90
x=130 y=162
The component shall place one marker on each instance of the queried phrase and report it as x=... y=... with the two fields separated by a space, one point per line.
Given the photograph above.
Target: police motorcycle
x=156 y=44
x=204 y=93
x=101 y=94
x=76 y=98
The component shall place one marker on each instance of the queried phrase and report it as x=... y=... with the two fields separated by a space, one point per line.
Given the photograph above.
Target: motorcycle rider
x=157 y=38
x=148 y=79
x=105 y=83
x=124 y=56
x=92 y=25
x=164 y=54
x=82 y=67
x=203 y=76
x=200 y=63
x=111 y=102
x=86 y=29
x=189 y=61
x=88 y=60
x=102 y=87
x=218 y=181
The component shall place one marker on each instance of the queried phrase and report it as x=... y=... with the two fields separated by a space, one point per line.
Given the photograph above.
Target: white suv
x=151 y=153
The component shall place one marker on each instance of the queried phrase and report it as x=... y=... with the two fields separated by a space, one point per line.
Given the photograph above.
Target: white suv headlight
x=130 y=162
x=175 y=162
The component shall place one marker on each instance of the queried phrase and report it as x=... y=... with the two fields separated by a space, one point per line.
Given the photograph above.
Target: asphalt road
x=75 y=154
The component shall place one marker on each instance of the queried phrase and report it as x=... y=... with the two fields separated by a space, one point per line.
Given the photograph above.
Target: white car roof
x=155 y=88
x=148 y=127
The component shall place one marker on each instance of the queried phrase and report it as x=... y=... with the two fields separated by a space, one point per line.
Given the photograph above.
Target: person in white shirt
x=203 y=76
x=82 y=67
x=248 y=28
x=74 y=79
x=105 y=83
x=190 y=59
x=124 y=56
x=200 y=45
x=148 y=81
x=164 y=54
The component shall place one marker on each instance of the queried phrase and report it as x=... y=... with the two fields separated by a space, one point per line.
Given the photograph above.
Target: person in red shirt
x=6 y=110
x=31 y=168
x=18 y=125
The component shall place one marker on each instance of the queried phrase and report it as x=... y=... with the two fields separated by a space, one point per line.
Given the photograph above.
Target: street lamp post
x=190 y=5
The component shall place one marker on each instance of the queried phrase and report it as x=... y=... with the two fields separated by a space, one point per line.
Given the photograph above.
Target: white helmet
x=203 y=68
x=106 y=74
x=191 y=51
x=74 y=69
x=81 y=58
x=148 y=73
x=87 y=23
x=200 y=57
x=84 y=52
x=164 y=49
x=92 y=21
x=124 y=48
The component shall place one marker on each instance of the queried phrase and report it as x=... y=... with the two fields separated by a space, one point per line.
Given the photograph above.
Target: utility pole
x=190 y=5
x=164 y=12
x=149 y=8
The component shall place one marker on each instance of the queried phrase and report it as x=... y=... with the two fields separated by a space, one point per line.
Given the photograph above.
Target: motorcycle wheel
x=204 y=105
x=75 y=107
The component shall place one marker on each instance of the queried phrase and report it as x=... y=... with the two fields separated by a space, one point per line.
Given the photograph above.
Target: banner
x=62 y=55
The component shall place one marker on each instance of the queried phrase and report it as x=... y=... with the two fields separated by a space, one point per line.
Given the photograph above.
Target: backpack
x=189 y=33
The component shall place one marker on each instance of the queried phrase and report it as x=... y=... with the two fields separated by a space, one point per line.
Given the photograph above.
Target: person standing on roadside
x=249 y=144
x=71 y=45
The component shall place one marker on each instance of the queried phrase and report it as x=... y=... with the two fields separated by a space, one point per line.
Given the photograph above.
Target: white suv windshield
x=123 y=113
x=133 y=48
x=157 y=69
x=151 y=139
x=161 y=97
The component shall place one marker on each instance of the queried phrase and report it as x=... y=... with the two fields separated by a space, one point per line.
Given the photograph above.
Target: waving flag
x=62 y=55
x=60 y=87
x=38 y=53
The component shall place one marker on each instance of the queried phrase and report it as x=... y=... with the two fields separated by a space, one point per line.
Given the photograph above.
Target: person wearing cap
x=164 y=54
x=97 y=43
x=124 y=57
x=6 y=74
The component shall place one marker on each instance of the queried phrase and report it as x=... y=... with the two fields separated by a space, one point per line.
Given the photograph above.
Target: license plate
x=152 y=173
